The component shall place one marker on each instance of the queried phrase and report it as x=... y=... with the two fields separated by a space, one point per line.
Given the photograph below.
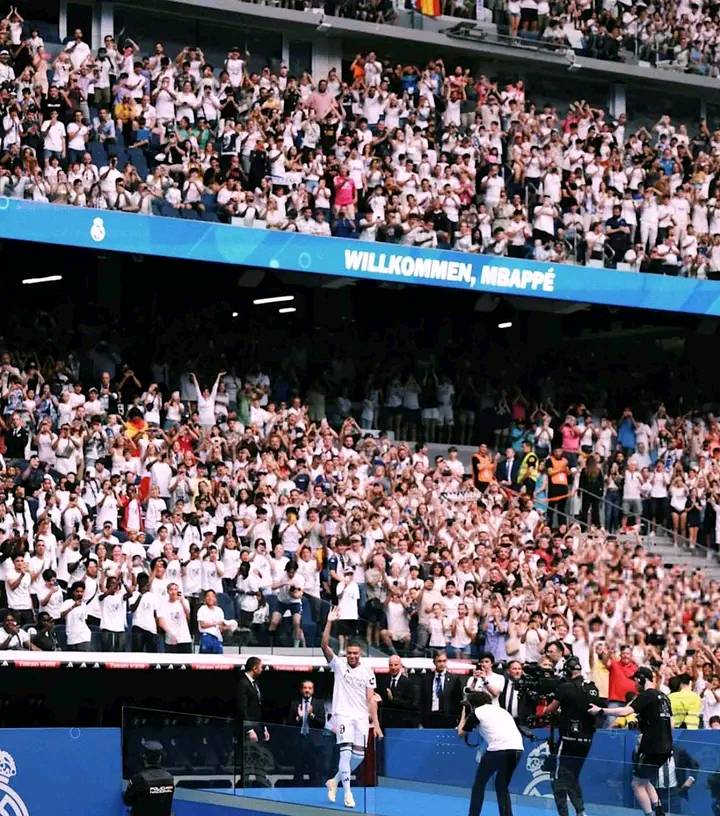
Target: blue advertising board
x=270 y=249
x=440 y=758
x=60 y=770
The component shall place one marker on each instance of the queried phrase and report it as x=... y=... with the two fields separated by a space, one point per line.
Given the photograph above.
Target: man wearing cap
x=577 y=726
x=150 y=792
x=654 y=748
x=7 y=74
x=44 y=639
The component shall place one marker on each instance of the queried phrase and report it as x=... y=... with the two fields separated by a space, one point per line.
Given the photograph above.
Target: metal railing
x=676 y=538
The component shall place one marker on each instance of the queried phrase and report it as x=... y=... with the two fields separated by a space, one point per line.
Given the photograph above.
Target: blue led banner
x=60 y=771
x=221 y=243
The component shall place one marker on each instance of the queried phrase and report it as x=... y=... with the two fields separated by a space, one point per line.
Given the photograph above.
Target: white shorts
x=430 y=413
x=445 y=413
x=351 y=730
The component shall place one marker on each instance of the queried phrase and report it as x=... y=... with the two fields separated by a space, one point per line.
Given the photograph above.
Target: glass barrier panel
x=292 y=764
x=198 y=750
x=288 y=764
x=433 y=770
x=416 y=770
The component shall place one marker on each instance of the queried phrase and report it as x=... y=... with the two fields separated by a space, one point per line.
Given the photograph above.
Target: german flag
x=429 y=7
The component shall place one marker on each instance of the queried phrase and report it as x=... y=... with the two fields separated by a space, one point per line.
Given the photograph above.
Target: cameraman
x=656 y=740
x=577 y=726
x=504 y=748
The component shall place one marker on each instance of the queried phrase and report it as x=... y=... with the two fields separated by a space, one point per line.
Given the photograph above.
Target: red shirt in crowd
x=620 y=680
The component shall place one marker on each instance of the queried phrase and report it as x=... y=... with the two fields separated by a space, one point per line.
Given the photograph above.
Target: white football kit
x=350 y=710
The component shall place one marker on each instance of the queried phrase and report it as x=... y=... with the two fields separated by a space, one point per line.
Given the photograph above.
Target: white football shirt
x=350 y=689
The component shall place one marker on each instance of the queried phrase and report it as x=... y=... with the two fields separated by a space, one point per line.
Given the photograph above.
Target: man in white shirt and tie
x=507 y=470
x=510 y=696
x=441 y=695
x=308 y=716
x=398 y=697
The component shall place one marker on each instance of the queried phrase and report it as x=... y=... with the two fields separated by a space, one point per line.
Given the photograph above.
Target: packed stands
x=269 y=488
x=424 y=155
x=162 y=505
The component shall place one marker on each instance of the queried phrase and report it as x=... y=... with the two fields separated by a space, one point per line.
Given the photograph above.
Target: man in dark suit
x=249 y=705
x=512 y=698
x=399 y=697
x=308 y=716
x=441 y=696
x=508 y=470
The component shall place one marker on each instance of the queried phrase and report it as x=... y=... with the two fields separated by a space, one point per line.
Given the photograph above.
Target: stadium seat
x=226 y=603
x=123 y=158
x=61 y=636
x=137 y=158
x=99 y=154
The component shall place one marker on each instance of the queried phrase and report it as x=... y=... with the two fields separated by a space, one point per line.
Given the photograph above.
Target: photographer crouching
x=504 y=748
x=573 y=700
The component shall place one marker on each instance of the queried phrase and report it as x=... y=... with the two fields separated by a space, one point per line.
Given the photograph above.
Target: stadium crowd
x=682 y=36
x=427 y=156
x=134 y=515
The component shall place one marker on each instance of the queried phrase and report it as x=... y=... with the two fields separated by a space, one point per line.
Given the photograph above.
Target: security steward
x=655 y=747
x=150 y=792
x=529 y=468
x=573 y=699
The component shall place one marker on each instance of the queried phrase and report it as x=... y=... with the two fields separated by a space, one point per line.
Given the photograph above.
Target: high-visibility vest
x=528 y=467
x=558 y=471
x=686 y=709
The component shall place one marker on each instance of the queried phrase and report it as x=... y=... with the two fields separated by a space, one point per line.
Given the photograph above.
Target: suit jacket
x=317 y=718
x=248 y=704
x=525 y=708
x=402 y=710
x=501 y=472
x=448 y=713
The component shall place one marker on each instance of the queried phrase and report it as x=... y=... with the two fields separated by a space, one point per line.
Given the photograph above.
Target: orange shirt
x=484 y=468
x=358 y=72
x=558 y=471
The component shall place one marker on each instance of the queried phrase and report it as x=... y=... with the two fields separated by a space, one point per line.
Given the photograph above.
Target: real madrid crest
x=10 y=802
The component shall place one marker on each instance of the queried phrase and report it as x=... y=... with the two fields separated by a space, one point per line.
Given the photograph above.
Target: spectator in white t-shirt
x=17 y=589
x=143 y=606
x=113 y=615
x=348 y=594
x=74 y=612
x=12 y=637
x=211 y=623
x=50 y=596
x=173 y=617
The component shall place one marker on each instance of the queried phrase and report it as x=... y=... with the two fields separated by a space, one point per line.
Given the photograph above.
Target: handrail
x=670 y=533
x=568 y=518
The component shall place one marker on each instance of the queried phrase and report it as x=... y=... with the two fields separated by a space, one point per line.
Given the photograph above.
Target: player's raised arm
x=325 y=641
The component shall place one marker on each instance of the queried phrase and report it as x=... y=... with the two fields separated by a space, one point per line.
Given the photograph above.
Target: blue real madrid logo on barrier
x=541 y=782
x=10 y=804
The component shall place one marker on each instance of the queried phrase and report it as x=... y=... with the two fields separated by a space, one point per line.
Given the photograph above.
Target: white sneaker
x=349 y=800
x=331 y=786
